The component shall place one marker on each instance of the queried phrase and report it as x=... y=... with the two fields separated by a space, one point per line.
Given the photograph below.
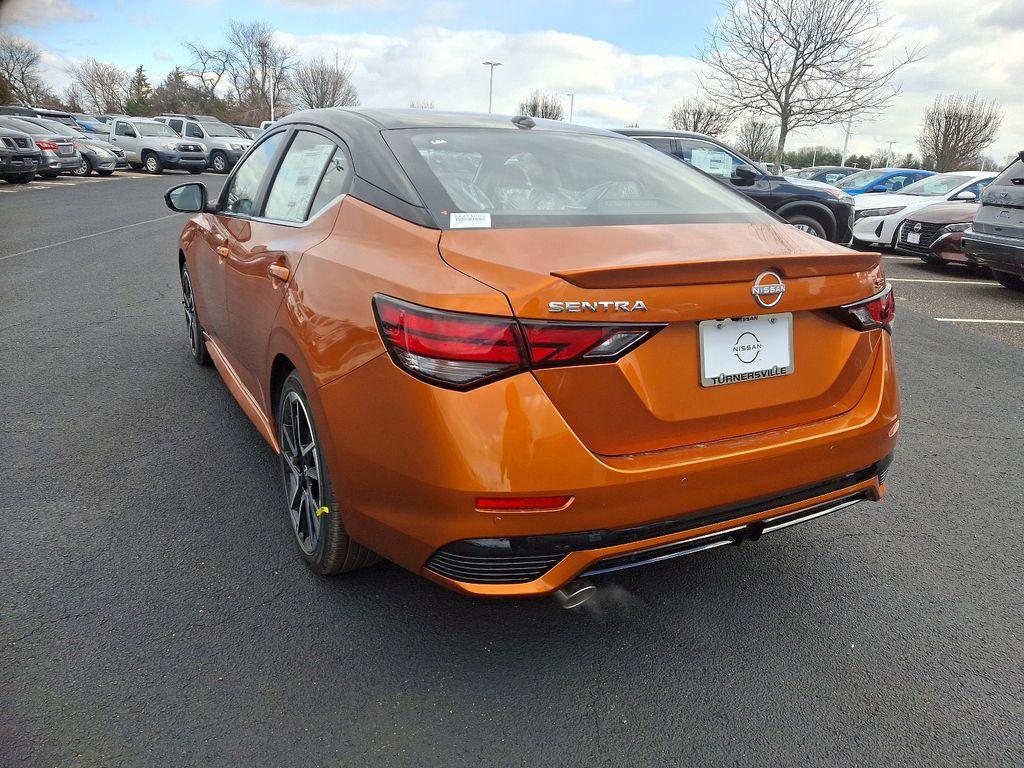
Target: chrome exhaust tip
x=575 y=593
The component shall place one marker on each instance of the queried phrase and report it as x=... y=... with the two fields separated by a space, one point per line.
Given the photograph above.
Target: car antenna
x=523 y=121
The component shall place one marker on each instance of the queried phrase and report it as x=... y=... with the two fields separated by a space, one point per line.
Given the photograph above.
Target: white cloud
x=40 y=13
x=963 y=53
x=614 y=86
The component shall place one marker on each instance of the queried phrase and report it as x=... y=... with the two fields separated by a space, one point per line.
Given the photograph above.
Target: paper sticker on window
x=712 y=161
x=469 y=220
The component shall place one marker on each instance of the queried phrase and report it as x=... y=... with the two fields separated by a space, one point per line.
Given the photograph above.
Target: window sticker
x=712 y=161
x=469 y=220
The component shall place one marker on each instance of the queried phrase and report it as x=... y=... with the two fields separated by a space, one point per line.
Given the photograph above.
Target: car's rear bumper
x=412 y=461
x=1003 y=254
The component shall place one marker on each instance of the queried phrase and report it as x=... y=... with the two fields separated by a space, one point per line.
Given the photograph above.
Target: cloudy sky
x=626 y=60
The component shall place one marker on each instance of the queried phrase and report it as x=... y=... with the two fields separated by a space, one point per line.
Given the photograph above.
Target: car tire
x=20 y=178
x=196 y=342
x=135 y=166
x=85 y=169
x=931 y=259
x=105 y=173
x=152 y=163
x=195 y=171
x=1009 y=280
x=808 y=224
x=49 y=175
x=219 y=162
x=322 y=540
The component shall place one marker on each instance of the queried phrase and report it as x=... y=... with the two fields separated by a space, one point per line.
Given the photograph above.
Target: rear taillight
x=52 y=146
x=877 y=312
x=459 y=350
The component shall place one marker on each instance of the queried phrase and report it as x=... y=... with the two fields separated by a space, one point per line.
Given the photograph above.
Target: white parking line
x=86 y=237
x=975 y=320
x=935 y=280
x=901 y=258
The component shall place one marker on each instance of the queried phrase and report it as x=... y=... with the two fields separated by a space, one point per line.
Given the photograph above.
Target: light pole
x=490 y=89
x=572 y=101
x=849 y=122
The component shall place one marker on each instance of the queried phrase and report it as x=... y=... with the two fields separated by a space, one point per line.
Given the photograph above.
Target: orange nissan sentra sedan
x=507 y=353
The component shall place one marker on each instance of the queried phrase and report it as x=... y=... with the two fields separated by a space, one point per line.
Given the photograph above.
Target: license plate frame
x=722 y=340
x=914 y=238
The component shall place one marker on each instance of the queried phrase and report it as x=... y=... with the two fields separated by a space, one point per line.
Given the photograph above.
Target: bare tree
x=318 y=84
x=72 y=99
x=700 y=116
x=103 y=86
x=540 y=104
x=756 y=138
x=260 y=68
x=208 y=67
x=21 y=69
x=956 y=130
x=804 y=62
x=246 y=73
x=421 y=104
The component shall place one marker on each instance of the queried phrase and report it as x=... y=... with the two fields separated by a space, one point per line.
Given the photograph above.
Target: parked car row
x=80 y=144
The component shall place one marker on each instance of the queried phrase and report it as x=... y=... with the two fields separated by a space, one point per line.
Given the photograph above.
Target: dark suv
x=814 y=207
x=996 y=238
x=19 y=157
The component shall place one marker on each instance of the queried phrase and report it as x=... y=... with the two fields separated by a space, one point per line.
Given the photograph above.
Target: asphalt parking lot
x=153 y=612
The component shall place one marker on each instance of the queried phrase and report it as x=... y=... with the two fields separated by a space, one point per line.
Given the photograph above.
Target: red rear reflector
x=459 y=350
x=521 y=503
x=877 y=312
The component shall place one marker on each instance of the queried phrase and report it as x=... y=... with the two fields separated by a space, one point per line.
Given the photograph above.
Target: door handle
x=223 y=251
x=278 y=272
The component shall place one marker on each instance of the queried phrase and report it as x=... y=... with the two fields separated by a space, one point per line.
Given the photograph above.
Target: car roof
x=396 y=119
x=666 y=132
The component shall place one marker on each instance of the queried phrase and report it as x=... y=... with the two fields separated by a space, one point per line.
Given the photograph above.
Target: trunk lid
x=1002 y=210
x=653 y=398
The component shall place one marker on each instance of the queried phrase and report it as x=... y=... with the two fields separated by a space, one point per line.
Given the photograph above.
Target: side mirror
x=968 y=197
x=187 y=198
x=744 y=175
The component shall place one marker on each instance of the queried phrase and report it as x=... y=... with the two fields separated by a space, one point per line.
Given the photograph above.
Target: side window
x=244 y=186
x=297 y=181
x=895 y=183
x=660 y=144
x=175 y=126
x=335 y=182
x=708 y=157
x=124 y=129
x=193 y=131
x=977 y=187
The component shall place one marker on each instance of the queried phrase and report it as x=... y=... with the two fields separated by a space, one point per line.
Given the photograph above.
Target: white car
x=877 y=217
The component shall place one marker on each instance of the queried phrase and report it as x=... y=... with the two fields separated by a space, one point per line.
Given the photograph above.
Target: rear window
x=543 y=178
x=1013 y=176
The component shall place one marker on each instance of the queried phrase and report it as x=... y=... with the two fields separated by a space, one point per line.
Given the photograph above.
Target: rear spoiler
x=726 y=271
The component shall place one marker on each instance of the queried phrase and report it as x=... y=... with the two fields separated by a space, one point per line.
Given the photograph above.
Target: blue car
x=881 y=180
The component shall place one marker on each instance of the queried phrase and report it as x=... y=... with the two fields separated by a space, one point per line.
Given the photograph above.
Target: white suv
x=226 y=143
